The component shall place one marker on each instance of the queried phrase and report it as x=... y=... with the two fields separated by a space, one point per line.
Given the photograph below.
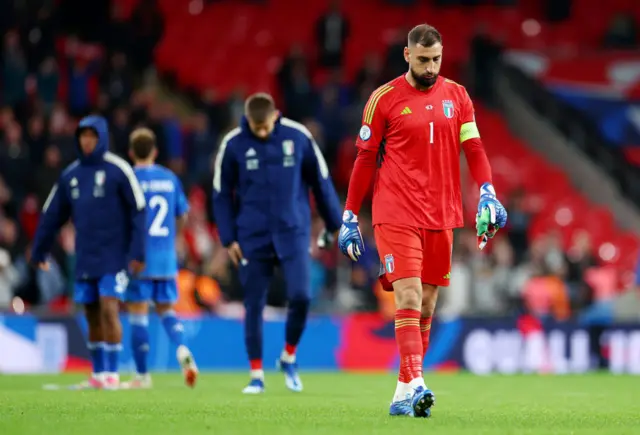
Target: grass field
x=331 y=404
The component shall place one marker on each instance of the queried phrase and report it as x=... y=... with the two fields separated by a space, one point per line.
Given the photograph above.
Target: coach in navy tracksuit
x=101 y=195
x=264 y=171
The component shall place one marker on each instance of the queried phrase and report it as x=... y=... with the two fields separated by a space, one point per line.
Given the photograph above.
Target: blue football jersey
x=165 y=203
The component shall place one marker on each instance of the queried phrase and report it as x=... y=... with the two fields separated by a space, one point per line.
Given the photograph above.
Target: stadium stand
x=217 y=52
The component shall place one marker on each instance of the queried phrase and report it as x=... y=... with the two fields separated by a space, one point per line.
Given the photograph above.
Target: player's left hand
x=136 y=267
x=491 y=215
x=326 y=239
x=350 y=239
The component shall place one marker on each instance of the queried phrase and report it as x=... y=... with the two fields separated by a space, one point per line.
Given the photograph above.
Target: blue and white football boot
x=422 y=401
x=401 y=408
x=256 y=386
x=291 y=379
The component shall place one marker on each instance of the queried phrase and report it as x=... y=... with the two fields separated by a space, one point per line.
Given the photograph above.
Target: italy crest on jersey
x=287 y=147
x=447 y=106
x=100 y=177
x=98 y=187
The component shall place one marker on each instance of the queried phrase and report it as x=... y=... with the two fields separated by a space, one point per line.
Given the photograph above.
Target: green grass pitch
x=332 y=404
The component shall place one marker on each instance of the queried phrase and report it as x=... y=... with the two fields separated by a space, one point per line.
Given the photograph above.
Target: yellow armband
x=469 y=130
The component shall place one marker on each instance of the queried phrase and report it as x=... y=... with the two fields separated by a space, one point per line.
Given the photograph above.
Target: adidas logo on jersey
x=406 y=111
x=250 y=153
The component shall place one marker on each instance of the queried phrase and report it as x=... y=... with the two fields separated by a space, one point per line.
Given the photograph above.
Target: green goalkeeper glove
x=485 y=229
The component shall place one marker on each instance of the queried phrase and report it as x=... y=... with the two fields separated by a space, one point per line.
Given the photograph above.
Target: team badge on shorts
x=389 y=264
x=447 y=106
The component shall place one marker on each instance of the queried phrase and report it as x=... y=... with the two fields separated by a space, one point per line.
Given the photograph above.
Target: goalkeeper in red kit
x=413 y=131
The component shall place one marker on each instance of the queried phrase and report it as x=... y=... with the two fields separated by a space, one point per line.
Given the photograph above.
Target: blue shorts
x=91 y=290
x=163 y=291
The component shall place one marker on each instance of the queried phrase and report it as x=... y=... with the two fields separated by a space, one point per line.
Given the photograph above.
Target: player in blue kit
x=167 y=209
x=101 y=195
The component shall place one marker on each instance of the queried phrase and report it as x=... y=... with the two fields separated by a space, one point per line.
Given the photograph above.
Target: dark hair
x=142 y=141
x=259 y=106
x=424 y=35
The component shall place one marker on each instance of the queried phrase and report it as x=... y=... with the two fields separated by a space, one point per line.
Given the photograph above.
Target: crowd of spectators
x=50 y=80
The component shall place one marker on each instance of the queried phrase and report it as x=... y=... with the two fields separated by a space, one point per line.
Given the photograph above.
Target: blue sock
x=174 y=328
x=296 y=320
x=112 y=353
x=253 y=333
x=140 y=341
x=96 y=350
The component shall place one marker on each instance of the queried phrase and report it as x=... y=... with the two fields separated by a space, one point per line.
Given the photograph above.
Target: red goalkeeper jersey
x=417 y=136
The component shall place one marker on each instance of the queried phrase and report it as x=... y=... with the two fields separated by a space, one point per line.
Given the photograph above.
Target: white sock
x=287 y=357
x=182 y=353
x=257 y=374
x=417 y=382
x=403 y=391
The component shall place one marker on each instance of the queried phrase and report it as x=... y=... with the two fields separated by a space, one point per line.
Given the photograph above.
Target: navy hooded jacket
x=101 y=195
x=261 y=189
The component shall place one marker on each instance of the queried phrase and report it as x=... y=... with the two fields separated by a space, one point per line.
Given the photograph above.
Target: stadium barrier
x=358 y=342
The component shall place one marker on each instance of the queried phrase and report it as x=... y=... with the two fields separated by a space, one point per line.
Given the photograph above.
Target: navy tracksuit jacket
x=261 y=200
x=101 y=194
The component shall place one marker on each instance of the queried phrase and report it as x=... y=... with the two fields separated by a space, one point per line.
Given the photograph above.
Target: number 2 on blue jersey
x=160 y=206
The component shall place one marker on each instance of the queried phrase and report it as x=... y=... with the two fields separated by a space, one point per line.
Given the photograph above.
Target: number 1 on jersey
x=431 y=132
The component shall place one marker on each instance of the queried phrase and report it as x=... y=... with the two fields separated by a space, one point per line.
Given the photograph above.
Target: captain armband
x=469 y=130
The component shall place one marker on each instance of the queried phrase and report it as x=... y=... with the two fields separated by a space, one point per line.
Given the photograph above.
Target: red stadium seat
x=210 y=50
x=272 y=31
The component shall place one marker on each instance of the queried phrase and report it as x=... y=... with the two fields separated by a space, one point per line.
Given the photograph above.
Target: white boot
x=188 y=364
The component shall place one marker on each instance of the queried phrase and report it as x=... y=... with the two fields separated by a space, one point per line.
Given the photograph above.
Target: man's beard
x=422 y=81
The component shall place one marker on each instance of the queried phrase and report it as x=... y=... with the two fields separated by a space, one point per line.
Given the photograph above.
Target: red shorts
x=407 y=252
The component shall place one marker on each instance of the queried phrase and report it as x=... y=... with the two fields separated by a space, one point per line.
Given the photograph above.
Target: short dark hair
x=141 y=142
x=259 y=107
x=425 y=35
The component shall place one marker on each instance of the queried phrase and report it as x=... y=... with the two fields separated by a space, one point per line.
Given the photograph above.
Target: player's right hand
x=136 y=267
x=350 y=239
x=44 y=266
x=235 y=253
x=491 y=215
